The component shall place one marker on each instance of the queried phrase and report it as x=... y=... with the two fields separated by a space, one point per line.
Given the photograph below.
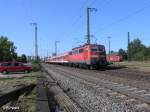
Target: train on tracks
x=85 y=56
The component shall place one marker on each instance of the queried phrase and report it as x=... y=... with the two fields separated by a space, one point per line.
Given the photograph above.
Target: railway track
x=64 y=102
x=128 y=72
x=133 y=94
x=17 y=91
x=138 y=79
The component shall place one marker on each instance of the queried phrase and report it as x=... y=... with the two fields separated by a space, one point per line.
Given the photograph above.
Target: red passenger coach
x=114 y=58
x=88 y=55
x=60 y=59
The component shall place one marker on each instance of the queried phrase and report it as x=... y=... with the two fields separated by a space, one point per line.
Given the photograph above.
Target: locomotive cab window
x=101 y=48
x=80 y=50
x=95 y=49
x=73 y=52
x=76 y=52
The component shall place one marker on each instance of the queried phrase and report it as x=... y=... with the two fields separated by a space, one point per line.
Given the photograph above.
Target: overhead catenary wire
x=92 y=3
x=77 y=19
x=83 y=7
x=102 y=2
x=85 y=4
x=80 y=16
x=126 y=17
x=99 y=2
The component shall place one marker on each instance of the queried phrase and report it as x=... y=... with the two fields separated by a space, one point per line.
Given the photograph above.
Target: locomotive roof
x=66 y=53
x=83 y=46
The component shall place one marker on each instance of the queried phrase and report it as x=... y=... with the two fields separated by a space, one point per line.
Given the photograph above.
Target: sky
x=65 y=21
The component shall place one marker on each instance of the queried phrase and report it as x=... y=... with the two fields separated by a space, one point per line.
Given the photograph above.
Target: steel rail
x=62 y=99
x=110 y=86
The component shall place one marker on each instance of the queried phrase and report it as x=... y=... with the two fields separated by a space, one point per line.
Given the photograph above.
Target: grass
x=28 y=103
x=25 y=103
x=143 y=66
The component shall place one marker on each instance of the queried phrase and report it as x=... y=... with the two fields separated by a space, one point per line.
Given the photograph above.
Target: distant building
x=53 y=54
x=30 y=58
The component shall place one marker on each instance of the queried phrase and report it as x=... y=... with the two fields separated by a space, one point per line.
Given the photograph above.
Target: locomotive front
x=98 y=55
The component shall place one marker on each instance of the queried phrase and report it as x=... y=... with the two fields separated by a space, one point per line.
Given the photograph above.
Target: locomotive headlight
x=102 y=56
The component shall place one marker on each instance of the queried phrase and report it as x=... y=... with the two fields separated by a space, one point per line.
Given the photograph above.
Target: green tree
x=138 y=51
x=24 y=58
x=111 y=52
x=122 y=53
x=146 y=53
x=7 y=49
x=19 y=59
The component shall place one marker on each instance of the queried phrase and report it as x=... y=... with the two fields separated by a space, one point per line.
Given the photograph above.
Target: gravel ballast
x=92 y=99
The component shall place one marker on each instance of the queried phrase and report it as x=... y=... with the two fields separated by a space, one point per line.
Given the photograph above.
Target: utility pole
x=36 y=44
x=88 y=23
x=109 y=45
x=56 y=47
x=129 y=56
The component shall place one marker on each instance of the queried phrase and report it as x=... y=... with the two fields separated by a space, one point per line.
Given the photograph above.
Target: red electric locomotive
x=88 y=55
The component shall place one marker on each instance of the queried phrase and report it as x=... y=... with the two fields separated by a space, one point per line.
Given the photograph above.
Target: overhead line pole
x=109 y=46
x=88 y=24
x=36 y=43
x=56 y=47
x=129 y=56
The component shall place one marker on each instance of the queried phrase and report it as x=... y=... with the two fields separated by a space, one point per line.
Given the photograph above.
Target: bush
x=35 y=66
